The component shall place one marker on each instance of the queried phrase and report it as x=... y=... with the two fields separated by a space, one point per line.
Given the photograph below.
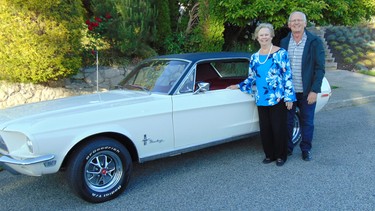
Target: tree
x=241 y=16
x=208 y=34
x=133 y=25
x=348 y=13
x=163 y=25
x=321 y=12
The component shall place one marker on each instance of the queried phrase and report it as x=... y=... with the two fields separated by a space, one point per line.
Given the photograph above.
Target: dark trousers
x=274 y=130
x=307 y=113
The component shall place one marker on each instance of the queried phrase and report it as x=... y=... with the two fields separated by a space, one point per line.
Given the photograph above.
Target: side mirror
x=202 y=87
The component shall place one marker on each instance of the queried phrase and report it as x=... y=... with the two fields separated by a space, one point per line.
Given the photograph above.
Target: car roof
x=195 y=57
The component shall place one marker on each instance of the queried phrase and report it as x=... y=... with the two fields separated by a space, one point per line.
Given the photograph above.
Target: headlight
x=15 y=142
x=30 y=145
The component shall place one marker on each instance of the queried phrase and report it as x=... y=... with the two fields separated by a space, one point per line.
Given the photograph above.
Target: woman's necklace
x=269 y=52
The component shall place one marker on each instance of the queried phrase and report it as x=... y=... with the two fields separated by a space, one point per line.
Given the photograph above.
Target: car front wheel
x=99 y=170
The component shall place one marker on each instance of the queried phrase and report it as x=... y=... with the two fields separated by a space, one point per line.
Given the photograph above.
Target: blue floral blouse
x=273 y=79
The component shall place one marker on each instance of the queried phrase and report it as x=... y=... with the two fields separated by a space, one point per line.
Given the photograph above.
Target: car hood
x=71 y=105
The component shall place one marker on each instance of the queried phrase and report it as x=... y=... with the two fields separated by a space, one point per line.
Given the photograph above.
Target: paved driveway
x=232 y=177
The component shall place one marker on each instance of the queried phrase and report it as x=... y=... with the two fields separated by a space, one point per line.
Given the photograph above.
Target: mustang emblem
x=150 y=141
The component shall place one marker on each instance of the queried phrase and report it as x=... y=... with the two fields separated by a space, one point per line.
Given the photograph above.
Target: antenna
x=97 y=71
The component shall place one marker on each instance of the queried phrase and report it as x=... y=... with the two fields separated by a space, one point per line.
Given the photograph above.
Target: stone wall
x=85 y=82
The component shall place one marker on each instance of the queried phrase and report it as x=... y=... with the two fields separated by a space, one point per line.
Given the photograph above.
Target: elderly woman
x=270 y=70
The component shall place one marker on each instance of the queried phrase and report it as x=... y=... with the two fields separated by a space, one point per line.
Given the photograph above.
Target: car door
x=214 y=115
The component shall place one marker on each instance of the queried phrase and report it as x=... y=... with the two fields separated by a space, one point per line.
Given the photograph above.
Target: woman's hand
x=232 y=86
x=289 y=105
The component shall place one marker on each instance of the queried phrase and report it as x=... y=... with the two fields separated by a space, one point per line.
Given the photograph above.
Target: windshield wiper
x=133 y=86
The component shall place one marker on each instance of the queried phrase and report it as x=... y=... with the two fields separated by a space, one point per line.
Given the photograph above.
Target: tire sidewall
x=76 y=170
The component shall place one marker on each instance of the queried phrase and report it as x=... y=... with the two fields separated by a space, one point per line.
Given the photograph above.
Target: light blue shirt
x=273 y=79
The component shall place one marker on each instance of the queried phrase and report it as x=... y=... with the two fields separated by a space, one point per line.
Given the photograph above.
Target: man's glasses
x=296 y=21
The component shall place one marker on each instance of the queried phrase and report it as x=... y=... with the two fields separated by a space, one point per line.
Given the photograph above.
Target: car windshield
x=155 y=75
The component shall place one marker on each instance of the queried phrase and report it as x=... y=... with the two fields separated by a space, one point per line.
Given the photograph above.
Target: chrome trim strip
x=8 y=160
x=194 y=148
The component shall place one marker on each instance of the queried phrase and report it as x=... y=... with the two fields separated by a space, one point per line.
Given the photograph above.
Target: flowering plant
x=97 y=27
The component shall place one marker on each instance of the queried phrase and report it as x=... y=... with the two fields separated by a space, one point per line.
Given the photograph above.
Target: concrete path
x=349 y=88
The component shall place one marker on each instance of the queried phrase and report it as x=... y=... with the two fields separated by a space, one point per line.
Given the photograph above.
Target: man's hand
x=311 y=98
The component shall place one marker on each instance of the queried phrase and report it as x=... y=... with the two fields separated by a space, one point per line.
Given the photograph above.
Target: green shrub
x=341 y=39
x=354 y=57
x=358 y=49
x=208 y=34
x=356 y=32
x=367 y=62
x=163 y=25
x=348 y=51
x=40 y=40
x=367 y=37
x=360 y=54
x=333 y=43
x=174 y=43
x=338 y=32
x=339 y=48
x=132 y=29
x=365 y=31
x=371 y=43
x=360 y=63
x=357 y=41
x=360 y=67
x=370 y=55
x=331 y=37
x=348 y=60
x=346 y=46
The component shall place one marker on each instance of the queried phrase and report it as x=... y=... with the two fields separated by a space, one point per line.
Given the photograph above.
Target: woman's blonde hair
x=261 y=26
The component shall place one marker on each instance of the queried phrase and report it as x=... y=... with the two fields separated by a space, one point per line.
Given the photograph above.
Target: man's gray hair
x=298 y=12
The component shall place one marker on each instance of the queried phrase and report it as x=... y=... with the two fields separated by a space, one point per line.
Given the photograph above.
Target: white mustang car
x=95 y=138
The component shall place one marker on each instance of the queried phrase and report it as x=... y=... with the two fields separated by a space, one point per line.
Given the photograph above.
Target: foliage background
x=40 y=40
x=353 y=47
x=46 y=40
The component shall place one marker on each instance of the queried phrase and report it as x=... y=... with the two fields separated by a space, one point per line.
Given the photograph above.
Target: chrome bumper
x=8 y=160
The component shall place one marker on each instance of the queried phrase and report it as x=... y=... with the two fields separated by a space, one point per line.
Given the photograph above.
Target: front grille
x=2 y=145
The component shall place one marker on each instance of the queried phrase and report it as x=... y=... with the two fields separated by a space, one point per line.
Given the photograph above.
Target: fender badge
x=150 y=141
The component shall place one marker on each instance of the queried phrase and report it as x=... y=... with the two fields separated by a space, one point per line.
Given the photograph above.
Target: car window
x=231 y=68
x=156 y=75
x=188 y=84
x=223 y=73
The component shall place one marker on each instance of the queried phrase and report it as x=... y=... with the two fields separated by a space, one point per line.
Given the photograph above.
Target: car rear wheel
x=296 y=137
x=99 y=170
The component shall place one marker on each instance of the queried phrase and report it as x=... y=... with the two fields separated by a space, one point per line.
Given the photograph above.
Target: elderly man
x=307 y=57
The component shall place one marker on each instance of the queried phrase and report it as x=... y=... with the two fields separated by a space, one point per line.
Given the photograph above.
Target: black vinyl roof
x=195 y=57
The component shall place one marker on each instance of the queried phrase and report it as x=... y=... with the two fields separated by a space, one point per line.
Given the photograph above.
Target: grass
x=370 y=73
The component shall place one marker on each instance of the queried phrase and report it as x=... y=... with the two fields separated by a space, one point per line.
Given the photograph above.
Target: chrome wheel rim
x=296 y=130
x=103 y=171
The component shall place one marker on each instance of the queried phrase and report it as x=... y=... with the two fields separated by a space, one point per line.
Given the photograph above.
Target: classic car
x=166 y=106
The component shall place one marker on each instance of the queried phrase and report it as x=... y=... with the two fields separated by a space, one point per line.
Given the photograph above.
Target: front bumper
x=25 y=166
